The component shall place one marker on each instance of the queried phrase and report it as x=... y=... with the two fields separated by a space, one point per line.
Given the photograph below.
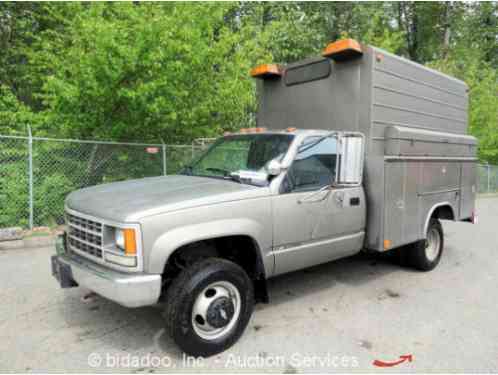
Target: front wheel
x=426 y=254
x=208 y=306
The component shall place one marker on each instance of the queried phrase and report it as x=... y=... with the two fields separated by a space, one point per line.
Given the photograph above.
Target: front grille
x=85 y=224
x=84 y=235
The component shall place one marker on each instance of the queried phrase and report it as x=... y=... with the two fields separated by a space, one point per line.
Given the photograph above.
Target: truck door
x=314 y=222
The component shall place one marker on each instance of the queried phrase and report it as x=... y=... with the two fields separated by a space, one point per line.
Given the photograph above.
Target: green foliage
x=149 y=72
x=50 y=196
x=484 y=111
x=178 y=71
x=14 y=115
x=14 y=193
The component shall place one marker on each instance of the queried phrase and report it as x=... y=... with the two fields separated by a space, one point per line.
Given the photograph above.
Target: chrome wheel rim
x=216 y=310
x=432 y=244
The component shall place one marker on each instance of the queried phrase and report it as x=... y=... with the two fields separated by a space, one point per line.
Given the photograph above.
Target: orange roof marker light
x=342 y=50
x=266 y=71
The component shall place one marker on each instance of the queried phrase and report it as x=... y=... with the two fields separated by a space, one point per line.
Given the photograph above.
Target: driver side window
x=314 y=166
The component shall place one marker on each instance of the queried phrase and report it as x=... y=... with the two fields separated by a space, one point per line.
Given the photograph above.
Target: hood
x=128 y=201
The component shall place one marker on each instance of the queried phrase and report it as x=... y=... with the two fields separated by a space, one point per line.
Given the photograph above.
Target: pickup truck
x=355 y=150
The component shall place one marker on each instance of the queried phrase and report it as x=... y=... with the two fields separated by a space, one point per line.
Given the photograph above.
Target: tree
x=146 y=71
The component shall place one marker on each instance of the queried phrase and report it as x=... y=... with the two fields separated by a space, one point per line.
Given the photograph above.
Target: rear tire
x=425 y=255
x=208 y=306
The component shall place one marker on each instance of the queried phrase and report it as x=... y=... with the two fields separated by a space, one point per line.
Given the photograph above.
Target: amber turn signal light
x=342 y=50
x=130 y=241
x=387 y=244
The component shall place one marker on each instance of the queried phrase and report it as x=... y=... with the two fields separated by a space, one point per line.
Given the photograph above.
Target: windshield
x=246 y=152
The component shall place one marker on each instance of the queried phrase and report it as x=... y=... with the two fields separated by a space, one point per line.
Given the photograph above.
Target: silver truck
x=367 y=151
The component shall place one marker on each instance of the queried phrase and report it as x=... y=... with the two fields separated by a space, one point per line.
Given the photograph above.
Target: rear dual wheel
x=425 y=255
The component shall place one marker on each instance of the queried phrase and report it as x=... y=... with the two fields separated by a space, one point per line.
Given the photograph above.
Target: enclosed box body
x=417 y=154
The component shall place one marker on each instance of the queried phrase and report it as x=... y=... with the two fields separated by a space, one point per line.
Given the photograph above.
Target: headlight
x=124 y=251
x=119 y=238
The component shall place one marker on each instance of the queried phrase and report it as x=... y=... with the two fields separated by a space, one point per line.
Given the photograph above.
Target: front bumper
x=130 y=290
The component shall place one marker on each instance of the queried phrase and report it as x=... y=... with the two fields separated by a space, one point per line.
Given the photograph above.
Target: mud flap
x=62 y=272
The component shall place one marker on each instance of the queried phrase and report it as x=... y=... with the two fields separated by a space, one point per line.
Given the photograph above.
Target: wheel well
x=241 y=249
x=443 y=212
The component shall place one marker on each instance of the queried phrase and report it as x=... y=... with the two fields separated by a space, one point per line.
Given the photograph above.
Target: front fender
x=170 y=241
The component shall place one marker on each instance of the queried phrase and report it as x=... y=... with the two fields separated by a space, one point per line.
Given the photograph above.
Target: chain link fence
x=36 y=174
x=14 y=182
x=487 y=178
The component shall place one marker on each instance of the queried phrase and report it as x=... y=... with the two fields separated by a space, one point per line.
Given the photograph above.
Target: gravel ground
x=337 y=317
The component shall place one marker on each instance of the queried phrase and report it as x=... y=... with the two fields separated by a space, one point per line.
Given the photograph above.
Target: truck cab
x=354 y=150
x=314 y=180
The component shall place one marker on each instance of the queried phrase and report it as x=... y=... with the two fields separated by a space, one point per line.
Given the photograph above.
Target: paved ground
x=336 y=317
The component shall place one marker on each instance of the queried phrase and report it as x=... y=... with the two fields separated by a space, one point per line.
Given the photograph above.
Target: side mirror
x=274 y=168
x=350 y=168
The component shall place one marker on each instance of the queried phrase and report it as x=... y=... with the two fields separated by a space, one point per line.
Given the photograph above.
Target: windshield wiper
x=188 y=170
x=224 y=171
x=233 y=177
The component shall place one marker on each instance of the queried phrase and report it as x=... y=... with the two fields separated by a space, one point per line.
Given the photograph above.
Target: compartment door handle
x=355 y=201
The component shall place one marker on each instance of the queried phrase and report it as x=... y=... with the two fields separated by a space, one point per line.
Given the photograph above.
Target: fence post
x=165 y=170
x=30 y=171
x=489 y=178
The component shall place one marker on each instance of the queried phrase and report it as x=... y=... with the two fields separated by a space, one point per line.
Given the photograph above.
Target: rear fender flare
x=431 y=212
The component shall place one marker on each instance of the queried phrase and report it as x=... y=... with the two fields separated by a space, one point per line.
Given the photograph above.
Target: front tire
x=208 y=306
x=426 y=254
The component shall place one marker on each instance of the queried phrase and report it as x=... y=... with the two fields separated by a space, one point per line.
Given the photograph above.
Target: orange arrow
x=403 y=358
